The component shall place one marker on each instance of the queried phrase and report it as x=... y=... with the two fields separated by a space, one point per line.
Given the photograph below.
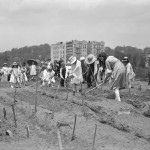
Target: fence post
x=36 y=97
x=15 y=120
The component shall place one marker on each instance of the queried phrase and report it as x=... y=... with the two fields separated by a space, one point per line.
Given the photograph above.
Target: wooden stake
x=94 y=137
x=67 y=90
x=15 y=94
x=36 y=97
x=82 y=102
x=83 y=106
x=4 y=111
x=59 y=139
x=27 y=128
x=73 y=133
x=13 y=109
x=53 y=107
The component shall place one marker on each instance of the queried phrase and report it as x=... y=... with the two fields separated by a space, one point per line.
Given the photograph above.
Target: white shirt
x=47 y=75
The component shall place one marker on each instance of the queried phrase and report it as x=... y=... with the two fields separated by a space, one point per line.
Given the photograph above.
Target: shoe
x=80 y=90
x=12 y=86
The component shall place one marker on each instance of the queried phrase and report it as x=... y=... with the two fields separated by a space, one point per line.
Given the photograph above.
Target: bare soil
x=121 y=125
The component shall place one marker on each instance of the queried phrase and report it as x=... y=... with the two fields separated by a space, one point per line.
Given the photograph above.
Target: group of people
x=16 y=73
x=91 y=70
x=101 y=69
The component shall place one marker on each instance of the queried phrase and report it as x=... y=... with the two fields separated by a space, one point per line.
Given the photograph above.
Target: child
x=5 y=73
x=24 y=78
x=129 y=72
x=48 y=76
x=14 y=78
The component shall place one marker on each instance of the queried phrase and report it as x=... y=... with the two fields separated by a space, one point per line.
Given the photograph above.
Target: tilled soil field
x=121 y=125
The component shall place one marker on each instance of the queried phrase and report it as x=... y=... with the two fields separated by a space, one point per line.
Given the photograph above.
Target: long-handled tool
x=92 y=89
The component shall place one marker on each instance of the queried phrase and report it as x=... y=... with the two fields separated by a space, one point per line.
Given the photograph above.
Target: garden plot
x=120 y=125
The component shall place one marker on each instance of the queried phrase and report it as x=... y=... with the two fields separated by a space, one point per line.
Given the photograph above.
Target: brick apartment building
x=76 y=48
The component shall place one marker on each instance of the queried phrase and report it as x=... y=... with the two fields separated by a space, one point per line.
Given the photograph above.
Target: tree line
x=136 y=56
x=22 y=54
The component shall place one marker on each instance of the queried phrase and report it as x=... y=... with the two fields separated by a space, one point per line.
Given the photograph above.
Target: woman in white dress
x=115 y=69
x=129 y=72
x=75 y=73
x=4 y=70
x=15 y=75
x=33 y=71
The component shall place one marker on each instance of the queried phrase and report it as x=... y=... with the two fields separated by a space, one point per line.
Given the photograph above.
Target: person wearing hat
x=4 y=71
x=84 y=68
x=14 y=78
x=92 y=70
x=75 y=73
x=115 y=69
x=129 y=72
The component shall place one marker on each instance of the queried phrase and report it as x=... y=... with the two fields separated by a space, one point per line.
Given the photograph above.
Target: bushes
x=141 y=73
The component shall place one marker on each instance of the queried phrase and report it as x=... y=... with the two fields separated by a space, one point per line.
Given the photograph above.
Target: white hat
x=82 y=58
x=4 y=64
x=15 y=64
x=90 y=59
x=72 y=59
x=49 y=67
x=125 y=59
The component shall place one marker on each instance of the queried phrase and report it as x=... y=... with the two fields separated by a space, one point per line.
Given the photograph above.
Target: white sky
x=35 y=22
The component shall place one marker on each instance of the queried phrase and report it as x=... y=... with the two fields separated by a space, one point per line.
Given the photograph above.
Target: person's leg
x=117 y=94
x=74 y=89
x=129 y=85
x=62 y=82
x=88 y=79
x=11 y=84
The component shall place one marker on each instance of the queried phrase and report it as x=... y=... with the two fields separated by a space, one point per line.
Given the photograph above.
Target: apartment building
x=94 y=47
x=58 y=51
x=75 y=48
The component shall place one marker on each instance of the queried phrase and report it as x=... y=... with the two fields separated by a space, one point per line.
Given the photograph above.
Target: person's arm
x=107 y=77
x=61 y=73
x=108 y=71
x=95 y=67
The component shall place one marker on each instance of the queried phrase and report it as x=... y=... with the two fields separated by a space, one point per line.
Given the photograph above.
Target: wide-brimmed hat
x=72 y=59
x=90 y=59
x=4 y=64
x=82 y=58
x=14 y=64
x=125 y=59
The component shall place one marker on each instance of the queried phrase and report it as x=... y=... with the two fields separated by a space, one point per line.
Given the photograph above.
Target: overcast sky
x=35 y=22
